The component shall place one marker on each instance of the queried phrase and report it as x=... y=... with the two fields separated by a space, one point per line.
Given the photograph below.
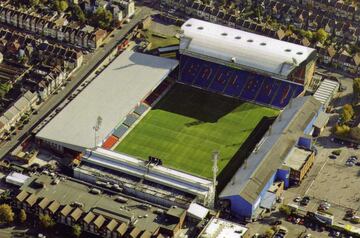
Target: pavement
x=89 y=65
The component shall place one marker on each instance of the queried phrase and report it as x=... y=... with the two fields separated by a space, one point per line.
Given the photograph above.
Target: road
x=77 y=78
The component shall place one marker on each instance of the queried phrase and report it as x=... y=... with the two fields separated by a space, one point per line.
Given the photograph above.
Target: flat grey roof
x=112 y=95
x=296 y=158
x=269 y=154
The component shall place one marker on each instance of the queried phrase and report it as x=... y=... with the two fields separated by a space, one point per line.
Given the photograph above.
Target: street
x=77 y=78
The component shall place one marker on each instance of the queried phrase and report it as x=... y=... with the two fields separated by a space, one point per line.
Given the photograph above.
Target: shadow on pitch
x=204 y=107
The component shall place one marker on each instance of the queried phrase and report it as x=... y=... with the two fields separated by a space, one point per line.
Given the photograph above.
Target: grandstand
x=119 y=95
x=243 y=65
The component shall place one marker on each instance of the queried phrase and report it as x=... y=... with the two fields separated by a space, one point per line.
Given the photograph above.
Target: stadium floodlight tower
x=96 y=129
x=215 y=169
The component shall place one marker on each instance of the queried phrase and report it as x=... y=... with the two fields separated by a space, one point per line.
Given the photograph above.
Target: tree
x=76 y=230
x=63 y=5
x=6 y=214
x=341 y=130
x=5 y=196
x=356 y=89
x=102 y=18
x=269 y=233
x=60 y=5
x=46 y=221
x=285 y=209
x=34 y=3
x=79 y=14
x=22 y=216
x=355 y=133
x=347 y=112
x=321 y=35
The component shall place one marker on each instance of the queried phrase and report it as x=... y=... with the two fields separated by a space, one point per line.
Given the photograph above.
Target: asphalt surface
x=81 y=74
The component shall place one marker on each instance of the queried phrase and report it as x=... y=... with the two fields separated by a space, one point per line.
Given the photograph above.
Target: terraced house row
x=56 y=27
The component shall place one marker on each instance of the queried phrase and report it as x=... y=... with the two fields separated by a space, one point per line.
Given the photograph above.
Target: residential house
x=12 y=114
x=214 y=15
x=74 y=216
x=96 y=224
x=65 y=211
x=23 y=105
x=29 y=203
x=326 y=54
x=53 y=207
x=32 y=98
x=42 y=205
x=86 y=221
x=14 y=18
x=4 y=125
x=20 y=199
x=207 y=13
x=121 y=230
x=110 y=228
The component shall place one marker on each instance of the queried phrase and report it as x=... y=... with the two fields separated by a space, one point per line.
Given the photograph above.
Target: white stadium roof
x=242 y=48
x=111 y=95
x=137 y=167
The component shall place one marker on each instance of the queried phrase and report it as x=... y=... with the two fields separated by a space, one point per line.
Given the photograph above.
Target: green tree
x=269 y=233
x=347 y=112
x=341 y=130
x=285 y=210
x=102 y=18
x=46 y=221
x=79 y=14
x=60 y=5
x=321 y=35
x=76 y=229
x=356 y=90
x=34 y=3
x=5 y=196
x=355 y=133
x=6 y=214
x=22 y=216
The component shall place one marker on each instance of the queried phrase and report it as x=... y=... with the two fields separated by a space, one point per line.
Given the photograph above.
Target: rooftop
x=96 y=207
x=296 y=158
x=270 y=152
x=242 y=48
x=219 y=228
x=111 y=95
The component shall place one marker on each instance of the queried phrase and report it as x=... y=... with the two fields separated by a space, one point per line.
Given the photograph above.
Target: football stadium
x=163 y=119
x=188 y=124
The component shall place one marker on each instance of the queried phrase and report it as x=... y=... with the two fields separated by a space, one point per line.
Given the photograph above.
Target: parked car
x=276 y=223
x=305 y=201
x=297 y=199
x=336 y=152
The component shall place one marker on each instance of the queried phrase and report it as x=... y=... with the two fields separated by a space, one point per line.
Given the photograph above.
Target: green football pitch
x=188 y=124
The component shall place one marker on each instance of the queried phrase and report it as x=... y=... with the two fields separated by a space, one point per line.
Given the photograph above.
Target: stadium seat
x=206 y=75
x=253 y=84
x=299 y=89
x=267 y=91
x=284 y=94
x=221 y=79
x=190 y=69
x=236 y=83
